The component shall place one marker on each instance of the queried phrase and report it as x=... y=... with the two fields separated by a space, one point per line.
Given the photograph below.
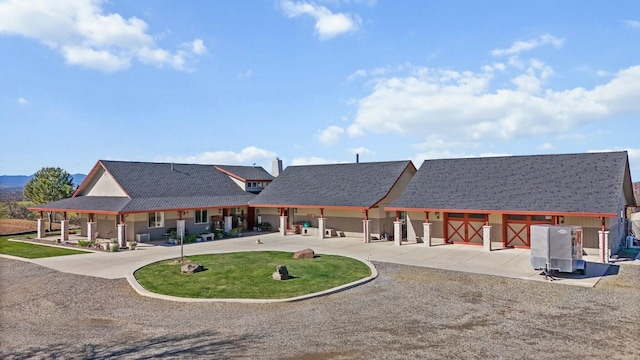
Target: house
x=335 y=199
x=129 y=200
x=497 y=199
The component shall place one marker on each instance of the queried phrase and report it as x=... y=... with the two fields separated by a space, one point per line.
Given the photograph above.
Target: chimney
x=357 y=158
x=276 y=168
x=171 y=166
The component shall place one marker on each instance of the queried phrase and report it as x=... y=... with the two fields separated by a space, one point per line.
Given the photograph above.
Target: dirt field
x=15 y=226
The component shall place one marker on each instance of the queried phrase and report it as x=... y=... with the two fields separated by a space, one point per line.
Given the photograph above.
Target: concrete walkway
x=513 y=263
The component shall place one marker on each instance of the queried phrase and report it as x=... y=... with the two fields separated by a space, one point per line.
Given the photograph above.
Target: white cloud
x=84 y=35
x=248 y=155
x=330 y=135
x=634 y=24
x=22 y=101
x=521 y=46
x=361 y=151
x=245 y=75
x=546 y=146
x=328 y=24
x=470 y=106
x=311 y=161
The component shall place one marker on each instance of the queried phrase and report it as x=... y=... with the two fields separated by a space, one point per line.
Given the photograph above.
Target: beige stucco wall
x=103 y=185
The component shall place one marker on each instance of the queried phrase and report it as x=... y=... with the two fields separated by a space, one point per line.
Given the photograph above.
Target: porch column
x=397 y=232
x=41 y=228
x=283 y=225
x=426 y=239
x=228 y=223
x=321 y=227
x=366 y=226
x=122 y=234
x=91 y=230
x=604 y=250
x=486 y=238
x=64 y=230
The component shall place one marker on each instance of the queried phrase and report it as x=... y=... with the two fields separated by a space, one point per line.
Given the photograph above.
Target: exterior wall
x=241 y=184
x=103 y=185
x=590 y=227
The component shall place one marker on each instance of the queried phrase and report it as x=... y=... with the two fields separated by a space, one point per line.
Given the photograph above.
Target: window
x=201 y=216
x=156 y=220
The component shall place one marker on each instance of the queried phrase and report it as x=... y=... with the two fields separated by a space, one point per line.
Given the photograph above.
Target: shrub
x=190 y=238
x=85 y=243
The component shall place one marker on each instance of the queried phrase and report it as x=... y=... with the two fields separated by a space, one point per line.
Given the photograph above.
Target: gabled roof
x=246 y=173
x=351 y=185
x=589 y=183
x=155 y=187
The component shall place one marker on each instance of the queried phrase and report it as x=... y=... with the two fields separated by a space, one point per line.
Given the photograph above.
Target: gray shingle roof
x=144 y=180
x=254 y=173
x=360 y=185
x=160 y=186
x=590 y=183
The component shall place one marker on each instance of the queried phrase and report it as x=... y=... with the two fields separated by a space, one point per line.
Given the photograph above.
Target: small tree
x=49 y=184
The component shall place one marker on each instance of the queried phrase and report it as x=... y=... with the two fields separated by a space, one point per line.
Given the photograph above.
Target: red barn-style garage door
x=464 y=228
x=516 y=228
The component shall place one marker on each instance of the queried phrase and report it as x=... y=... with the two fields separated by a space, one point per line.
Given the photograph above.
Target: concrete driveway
x=513 y=263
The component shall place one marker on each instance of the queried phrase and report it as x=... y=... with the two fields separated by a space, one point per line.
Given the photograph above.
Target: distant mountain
x=19 y=181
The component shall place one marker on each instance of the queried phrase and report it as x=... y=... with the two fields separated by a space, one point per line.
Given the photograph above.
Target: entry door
x=464 y=228
x=517 y=232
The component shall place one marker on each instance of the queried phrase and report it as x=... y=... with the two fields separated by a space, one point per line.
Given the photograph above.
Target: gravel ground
x=407 y=312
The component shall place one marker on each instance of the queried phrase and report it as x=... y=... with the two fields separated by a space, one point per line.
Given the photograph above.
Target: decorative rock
x=191 y=268
x=281 y=273
x=304 y=254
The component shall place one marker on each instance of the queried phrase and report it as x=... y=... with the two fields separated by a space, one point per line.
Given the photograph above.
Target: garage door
x=516 y=231
x=464 y=228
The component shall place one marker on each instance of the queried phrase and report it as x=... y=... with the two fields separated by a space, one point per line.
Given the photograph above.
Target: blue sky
x=244 y=82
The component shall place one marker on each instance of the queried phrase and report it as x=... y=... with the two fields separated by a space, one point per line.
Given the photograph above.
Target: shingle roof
x=159 y=186
x=145 y=179
x=590 y=183
x=360 y=185
x=255 y=173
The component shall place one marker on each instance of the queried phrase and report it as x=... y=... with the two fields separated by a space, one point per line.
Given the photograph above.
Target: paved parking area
x=512 y=263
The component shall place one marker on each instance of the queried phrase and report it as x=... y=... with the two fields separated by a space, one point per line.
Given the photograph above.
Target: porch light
x=437 y=215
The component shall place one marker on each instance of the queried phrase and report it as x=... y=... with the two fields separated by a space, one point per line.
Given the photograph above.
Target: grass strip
x=32 y=251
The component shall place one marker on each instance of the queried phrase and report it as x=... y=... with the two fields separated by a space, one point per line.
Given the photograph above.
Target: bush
x=85 y=243
x=190 y=238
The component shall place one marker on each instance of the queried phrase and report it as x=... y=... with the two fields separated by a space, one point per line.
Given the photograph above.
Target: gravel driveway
x=407 y=312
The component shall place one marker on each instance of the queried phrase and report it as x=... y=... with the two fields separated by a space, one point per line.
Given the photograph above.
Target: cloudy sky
x=244 y=82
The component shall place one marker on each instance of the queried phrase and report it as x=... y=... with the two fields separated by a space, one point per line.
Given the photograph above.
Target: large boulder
x=281 y=273
x=304 y=254
x=191 y=268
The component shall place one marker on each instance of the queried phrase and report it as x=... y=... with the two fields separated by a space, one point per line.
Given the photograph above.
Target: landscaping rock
x=304 y=254
x=191 y=268
x=281 y=273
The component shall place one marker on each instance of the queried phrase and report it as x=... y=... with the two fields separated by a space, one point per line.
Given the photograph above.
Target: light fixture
x=561 y=219
x=437 y=215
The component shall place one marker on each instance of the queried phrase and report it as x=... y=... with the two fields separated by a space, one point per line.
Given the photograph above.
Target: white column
x=41 y=229
x=366 y=227
x=397 y=232
x=321 y=227
x=486 y=238
x=122 y=235
x=604 y=251
x=228 y=223
x=64 y=230
x=283 y=225
x=426 y=229
x=91 y=227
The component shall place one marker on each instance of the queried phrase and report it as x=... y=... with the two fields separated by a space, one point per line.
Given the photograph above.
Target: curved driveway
x=513 y=263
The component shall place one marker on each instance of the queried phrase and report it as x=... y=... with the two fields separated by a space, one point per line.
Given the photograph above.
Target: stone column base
x=426 y=238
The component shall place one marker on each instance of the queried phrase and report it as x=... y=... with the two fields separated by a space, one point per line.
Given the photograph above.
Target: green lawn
x=247 y=275
x=32 y=251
